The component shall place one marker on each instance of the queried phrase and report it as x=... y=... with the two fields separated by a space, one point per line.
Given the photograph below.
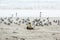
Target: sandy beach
x=19 y=32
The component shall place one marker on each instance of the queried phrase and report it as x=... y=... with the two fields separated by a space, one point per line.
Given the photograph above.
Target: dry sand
x=19 y=32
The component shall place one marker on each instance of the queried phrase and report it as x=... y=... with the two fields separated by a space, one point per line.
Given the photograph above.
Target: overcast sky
x=29 y=8
x=30 y=4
